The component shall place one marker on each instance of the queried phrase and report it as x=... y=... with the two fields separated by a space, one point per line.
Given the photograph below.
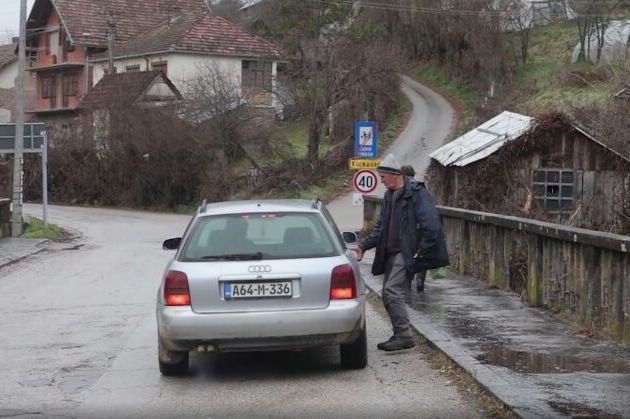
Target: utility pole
x=18 y=173
x=111 y=26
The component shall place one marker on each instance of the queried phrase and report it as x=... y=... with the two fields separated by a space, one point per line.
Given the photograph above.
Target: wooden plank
x=598 y=199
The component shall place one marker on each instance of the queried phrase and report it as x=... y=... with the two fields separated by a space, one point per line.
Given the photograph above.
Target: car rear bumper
x=181 y=329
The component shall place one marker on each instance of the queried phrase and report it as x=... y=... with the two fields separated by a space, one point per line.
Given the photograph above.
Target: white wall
x=181 y=67
x=184 y=67
x=8 y=75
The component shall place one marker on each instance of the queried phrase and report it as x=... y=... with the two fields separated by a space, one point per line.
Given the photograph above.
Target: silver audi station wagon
x=257 y=276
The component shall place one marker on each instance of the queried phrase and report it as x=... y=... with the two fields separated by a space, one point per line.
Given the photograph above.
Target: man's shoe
x=382 y=344
x=420 y=285
x=398 y=343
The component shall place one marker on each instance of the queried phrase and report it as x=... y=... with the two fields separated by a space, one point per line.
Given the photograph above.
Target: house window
x=70 y=88
x=554 y=189
x=132 y=68
x=160 y=66
x=49 y=88
x=256 y=74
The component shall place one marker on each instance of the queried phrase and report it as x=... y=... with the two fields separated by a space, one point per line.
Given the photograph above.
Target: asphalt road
x=79 y=340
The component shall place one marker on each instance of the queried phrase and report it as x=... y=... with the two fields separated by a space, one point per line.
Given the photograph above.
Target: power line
x=450 y=11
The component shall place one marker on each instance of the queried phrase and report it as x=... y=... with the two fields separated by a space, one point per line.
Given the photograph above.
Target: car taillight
x=176 y=291
x=343 y=285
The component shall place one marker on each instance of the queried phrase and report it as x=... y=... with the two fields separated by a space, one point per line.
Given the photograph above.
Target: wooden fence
x=582 y=274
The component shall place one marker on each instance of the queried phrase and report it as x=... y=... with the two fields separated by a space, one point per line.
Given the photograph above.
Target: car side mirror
x=172 y=244
x=349 y=237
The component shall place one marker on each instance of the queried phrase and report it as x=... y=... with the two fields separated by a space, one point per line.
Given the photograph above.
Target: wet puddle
x=577 y=410
x=540 y=363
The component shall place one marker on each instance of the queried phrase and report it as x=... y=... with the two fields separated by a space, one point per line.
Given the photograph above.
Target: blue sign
x=365 y=139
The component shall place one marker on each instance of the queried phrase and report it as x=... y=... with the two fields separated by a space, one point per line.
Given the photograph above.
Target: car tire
x=354 y=356
x=172 y=363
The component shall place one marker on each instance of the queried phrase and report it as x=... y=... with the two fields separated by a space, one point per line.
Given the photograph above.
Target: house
x=119 y=95
x=65 y=33
x=8 y=75
x=189 y=46
x=548 y=168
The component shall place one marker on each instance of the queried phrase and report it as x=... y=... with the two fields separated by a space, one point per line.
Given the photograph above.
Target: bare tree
x=519 y=17
x=593 y=20
x=336 y=72
x=215 y=101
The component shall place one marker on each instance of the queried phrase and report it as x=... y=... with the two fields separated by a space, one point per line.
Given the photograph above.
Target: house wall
x=51 y=52
x=181 y=68
x=601 y=186
x=7 y=75
x=585 y=275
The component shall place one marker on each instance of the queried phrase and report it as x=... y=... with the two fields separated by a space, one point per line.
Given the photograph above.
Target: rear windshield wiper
x=235 y=256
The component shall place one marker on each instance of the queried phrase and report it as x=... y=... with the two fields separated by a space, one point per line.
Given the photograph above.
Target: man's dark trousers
x=395 y=285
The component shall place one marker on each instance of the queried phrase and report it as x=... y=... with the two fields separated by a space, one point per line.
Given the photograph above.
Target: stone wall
x=5 y=218
x=582 y=274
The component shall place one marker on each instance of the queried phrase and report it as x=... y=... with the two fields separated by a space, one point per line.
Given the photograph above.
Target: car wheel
x=172 y=363
x=354 y=355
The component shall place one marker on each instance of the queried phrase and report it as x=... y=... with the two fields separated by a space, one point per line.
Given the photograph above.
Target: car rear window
x=285 y=235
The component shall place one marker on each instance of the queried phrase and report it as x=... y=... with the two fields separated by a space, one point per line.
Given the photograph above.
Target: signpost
x=35 y=142
x=365 y=139
x=365 y=148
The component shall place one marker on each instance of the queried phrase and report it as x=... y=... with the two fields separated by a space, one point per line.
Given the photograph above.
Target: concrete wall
x=5 y=218
x=581 y=274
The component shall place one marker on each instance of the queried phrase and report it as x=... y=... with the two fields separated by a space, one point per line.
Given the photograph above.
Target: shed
x=549 y=168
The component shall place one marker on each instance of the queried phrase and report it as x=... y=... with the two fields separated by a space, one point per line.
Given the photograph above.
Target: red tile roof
x=86 y=20
x=122 y=89
x=7 y=54
x=205 y=33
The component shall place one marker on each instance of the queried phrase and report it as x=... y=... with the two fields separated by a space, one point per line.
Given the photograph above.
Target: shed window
x=132 y=68
x=554 y=189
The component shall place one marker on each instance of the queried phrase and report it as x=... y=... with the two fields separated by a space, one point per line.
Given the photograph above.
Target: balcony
x=52 y=63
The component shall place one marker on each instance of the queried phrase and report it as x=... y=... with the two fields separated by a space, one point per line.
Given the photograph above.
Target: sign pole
x=45 y=179
x=18 y=173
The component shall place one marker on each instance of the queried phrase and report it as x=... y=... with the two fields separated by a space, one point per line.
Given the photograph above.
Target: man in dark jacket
x=408 y=238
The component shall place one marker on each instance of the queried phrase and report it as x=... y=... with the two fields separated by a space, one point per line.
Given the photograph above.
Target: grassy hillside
x=548 y=81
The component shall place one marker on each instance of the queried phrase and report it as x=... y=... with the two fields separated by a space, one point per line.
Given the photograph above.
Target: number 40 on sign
x=365 y=181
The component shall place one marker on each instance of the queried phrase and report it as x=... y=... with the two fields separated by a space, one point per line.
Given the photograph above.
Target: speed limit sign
x=365 y=181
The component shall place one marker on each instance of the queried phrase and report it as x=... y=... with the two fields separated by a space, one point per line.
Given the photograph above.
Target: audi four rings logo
x=259 y=269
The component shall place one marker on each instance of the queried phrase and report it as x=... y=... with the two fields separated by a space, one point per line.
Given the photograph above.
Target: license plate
x=234 y=290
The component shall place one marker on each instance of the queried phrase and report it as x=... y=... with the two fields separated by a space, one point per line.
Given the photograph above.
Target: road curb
x=500 y=386
x=27 y=254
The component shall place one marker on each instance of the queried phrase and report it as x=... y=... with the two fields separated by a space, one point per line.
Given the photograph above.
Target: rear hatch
x=260 y=285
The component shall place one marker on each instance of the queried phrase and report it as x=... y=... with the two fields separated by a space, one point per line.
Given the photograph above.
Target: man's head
x=389 y=171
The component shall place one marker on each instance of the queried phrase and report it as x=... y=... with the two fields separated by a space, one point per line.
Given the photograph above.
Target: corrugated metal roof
x=484 y=140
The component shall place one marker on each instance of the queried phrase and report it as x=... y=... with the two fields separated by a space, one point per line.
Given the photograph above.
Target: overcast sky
x=10 y=18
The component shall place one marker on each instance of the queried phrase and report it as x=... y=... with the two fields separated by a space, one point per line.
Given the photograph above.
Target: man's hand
x=359 y=253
